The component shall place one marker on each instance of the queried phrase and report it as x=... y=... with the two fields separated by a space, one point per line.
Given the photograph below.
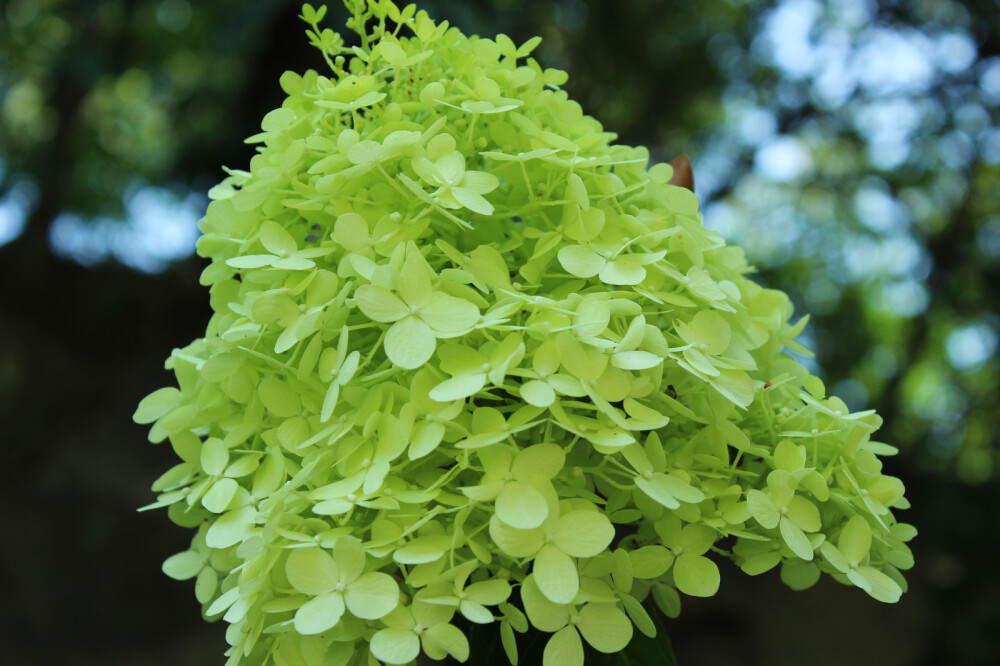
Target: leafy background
x=851 y=146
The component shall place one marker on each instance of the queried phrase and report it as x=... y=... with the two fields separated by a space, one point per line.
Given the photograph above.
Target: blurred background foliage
x=852 y=147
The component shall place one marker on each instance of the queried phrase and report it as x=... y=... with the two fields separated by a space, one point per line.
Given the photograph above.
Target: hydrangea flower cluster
x=472 y=362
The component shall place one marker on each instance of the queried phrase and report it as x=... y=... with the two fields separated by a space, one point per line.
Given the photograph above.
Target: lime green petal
x=474 y=612
x=833 y=555
x=636 y=360
x=583 y=533
x=696 y=575
x=156 y=404
x=414 y=284
x=555 y=574
x=622 y=271
x=855 y=540
x=349 y=556
x=489 y=592
x=395 y=646
x=231 y=527
x=879 y=586
x=448 y=314
x=472 y=200
x=605 y=627
x=521 y=505
x=711 y=329
x=650 y=561
x=655 y=490
x=545 y=460
x=580 y=261
x=409 y=343
x=697 y=539
x=680 y=488
x=795 y=538
x=185 y=565
x=538 y=393
x=351 y=232
x=799 y=575
x=543 y=614
x=311 y=571
x=804 y=514
x=564 y=649
x=515 y=542
x=458 y=388
x=372 y=596
x=763 y=509
x=219 y=495
x=448 y=638
x=319 y=614
x=379 y=304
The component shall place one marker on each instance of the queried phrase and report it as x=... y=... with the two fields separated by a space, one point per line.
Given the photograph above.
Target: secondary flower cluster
x=470 y=361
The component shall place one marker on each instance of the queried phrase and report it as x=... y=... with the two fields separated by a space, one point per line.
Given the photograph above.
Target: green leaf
x=696 y=575
x=409 y=343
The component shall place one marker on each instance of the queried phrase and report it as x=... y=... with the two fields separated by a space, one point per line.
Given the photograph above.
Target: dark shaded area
x=97 y=97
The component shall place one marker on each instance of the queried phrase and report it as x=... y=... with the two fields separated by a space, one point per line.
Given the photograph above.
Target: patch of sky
x=784 y=159
x=878 y=210
x=785 y=41
x=905 y=298
x=989 y=146
x=159 y=228
x=853 y=393
x=989 y=80
x=955 y=52
x=968 y=347
x=867 y=258
x=890 y=61
x=16 y=205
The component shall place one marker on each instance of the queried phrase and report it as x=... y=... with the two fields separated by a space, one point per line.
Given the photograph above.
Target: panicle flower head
x=473 y=362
